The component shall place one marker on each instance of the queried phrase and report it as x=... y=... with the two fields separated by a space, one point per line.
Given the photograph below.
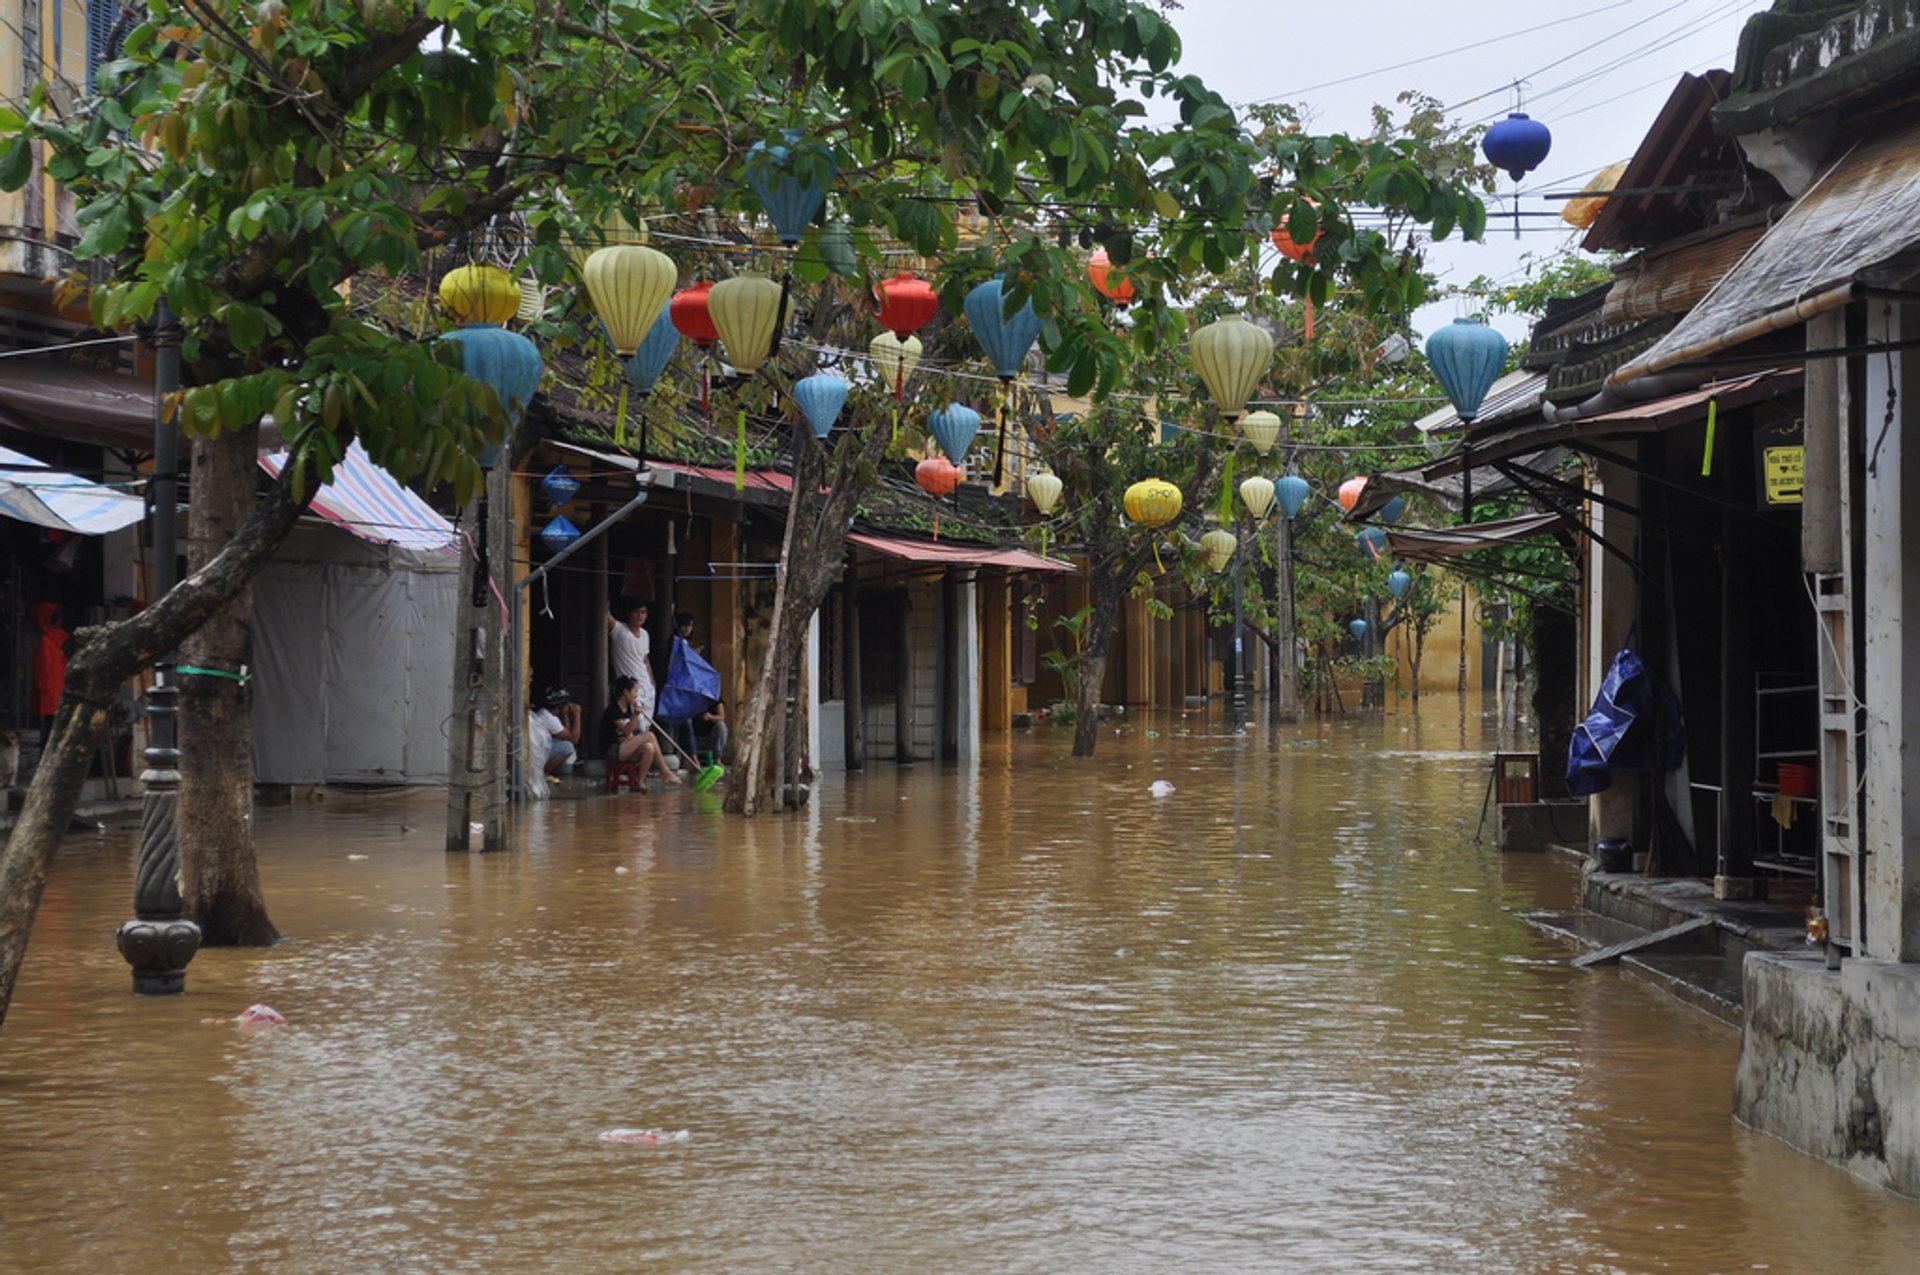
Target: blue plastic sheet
x=1617 y=734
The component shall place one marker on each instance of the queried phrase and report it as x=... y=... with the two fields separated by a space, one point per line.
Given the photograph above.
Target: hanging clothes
x=1619 y=733
x=49 y=659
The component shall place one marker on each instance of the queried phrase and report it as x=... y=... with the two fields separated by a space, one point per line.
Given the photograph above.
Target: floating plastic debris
x=644 y=1137
x=1160 y=788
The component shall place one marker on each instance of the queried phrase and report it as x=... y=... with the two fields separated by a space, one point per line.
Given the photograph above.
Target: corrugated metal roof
x=954 y=554
x=1515 y=394
x=1436 y=544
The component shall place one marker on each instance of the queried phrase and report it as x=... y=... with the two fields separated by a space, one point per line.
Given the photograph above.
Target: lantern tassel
x=1043 y=539
x=1157 y=564
x=1309 y=319
x=1000 y=450
x=936 y=522
x=620 y=420
x=706 y=377
x=643 y=430
x=740 y=455
x=1706 y=457
x=895 y=440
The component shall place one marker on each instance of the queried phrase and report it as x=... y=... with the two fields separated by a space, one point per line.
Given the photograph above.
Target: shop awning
x=1515 y=394
x=1447 y=490
x=34 y=492
x=954 y=554
x=60 y=399
x=1436 y=544
x=1853 y=228
x=366 y=500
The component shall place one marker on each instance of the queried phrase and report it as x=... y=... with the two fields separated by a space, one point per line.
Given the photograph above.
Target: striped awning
x=34 y=492
x=366 y=500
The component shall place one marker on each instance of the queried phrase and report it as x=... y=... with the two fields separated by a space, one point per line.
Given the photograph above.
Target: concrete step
x=1578 y=926
x=1709 y=981
x=1696 y=935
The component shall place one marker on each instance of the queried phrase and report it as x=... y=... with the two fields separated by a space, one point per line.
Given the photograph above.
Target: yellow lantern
x=1257 y=494
x=479 y=294
x=895 y=359
x=629 y=286
x=1580 y=213
x=1043 y=489
x=1219 y=546
x=1152 y=502
x=1262 y=429
x=614 y=229
x=1231 y=356
x=745 y=311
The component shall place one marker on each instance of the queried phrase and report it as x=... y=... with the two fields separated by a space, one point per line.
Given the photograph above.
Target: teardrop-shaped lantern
x=1262 y=429
x=560 y=486
x=650 y=360
x=1100 y=273
x=1256 y=493
x=1373 y=543
x=1043 y=489
x=1231 y=356
x=954 y=427
x=1393 y=510
x=507 y=361
x=937 y=475
x=1398 y=582
x=1350 y=493
x=1517 y=143
x=627 y=285
x=1358 y=628
x=1467 y=356
x=559 y=533
x=1292 y=492
x=894 y=359
x=1005 y=339
x=479 y=294
x=907 y=304
x=821 y=396
x=1219 y=546
x=689 y=314
x=745 y=311
x=790 y=177
x=1152 y=502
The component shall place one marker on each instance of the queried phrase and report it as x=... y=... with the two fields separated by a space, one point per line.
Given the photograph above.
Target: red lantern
x=1288 y=248
x=689 y=314
x=938 y=476
x=1099 y=269
x=907 y=304
x=1350 y=493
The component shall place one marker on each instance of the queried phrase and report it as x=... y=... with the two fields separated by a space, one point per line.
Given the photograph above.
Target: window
x=106 y=31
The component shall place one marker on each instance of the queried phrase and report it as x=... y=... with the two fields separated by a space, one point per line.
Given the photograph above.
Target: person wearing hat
x=560 y=718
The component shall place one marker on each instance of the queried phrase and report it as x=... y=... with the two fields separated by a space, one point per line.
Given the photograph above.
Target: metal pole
x=1239 y=648
x=160 y=942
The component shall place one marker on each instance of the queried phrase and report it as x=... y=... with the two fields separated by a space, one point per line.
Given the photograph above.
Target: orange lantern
x=1350 y=493
x=1099 y=271
x=1295 y=251
x=938 y=476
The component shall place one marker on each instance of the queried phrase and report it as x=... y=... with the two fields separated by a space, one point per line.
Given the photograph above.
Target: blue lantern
x=1005 y=340
x=954 y=427
x=560 y=533
x=560 y=486
x=507 y=361
x=1398 y=582
x=650 y=357
x=1358 y=628
x=1392 y=511
x=1292 y=492
x=1467 y=356
x=1517 y=143
x=783 y=174
x=821 y=396
x=1373 y=543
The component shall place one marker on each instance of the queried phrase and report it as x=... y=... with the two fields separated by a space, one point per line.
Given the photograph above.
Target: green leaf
x=16 y=164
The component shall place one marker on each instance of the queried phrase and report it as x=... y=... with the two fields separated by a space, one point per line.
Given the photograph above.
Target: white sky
x=1596 y=77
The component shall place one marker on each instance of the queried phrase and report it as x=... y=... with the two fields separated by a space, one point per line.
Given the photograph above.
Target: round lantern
x=784 y=175
x=1219 y=546
x=821 y=396
x=650 y=359
x=1100 y=271
x=507 y=361
x=1398 y=582
x=1043 y=489
x=627 y=285
x=1373 y=543
x=1256 y=493
x=1467 y=356
x=907 y=304
x=1231 y=356
x=1152 y=502
x=479 y=294
x=560 y=533
x=746 y=312
x=1358 y=628
x=1262 y=429
x=1393 y=510
x=894 y=359
x=1292 y=492
x=1004 y=338
x=938 y=476
x=1290 y=249
x=954 y=427
x=1350 y=493
x=1517 y=143
x=690 y=317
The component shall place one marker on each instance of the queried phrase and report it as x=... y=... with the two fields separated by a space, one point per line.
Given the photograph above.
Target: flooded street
x=1031 y=1019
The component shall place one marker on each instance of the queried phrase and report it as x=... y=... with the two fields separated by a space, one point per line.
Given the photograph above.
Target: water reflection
x=1024 y=1018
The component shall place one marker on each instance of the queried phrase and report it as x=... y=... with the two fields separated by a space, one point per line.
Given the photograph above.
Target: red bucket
x=1798 y=781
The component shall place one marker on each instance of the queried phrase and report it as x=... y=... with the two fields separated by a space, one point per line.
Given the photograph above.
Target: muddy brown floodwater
x=1025 y=1019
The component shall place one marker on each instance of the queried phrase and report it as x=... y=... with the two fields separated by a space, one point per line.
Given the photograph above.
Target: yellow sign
x=1782 y=473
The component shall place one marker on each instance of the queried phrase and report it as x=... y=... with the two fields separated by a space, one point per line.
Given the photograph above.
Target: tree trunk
x=220 y=875
x=106 y=658
x=1108 y=591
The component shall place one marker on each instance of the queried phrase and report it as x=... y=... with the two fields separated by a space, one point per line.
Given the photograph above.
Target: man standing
x=630 y=651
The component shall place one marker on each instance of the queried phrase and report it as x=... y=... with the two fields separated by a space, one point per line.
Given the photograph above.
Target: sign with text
x=1779 y=449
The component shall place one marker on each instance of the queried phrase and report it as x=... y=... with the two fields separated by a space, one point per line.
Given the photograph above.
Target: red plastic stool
x=623 y=772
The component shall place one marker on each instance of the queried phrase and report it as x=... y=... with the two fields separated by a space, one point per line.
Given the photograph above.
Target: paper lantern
x=786 y=177
x=821 y=396
x=1262 y=429
x=1005 y=339
x=1393 y=510
x=1398 y=582
x=1580 y=213
x=507 y=361
x=1292 y=492
x=1231 y=356
x=1373 y=543
x=894 y=359
x=627 y=285
x=560 y=533
x=954 y=427
x=1219 y=546
x=533 y=301
x=1284 y=241
x=1358 y=628
x=746 y=312
x=560 y=485
x=650 y=359
x=479 y=294
x=1100 y=272
x=1256 y=493
x=1152 y=502
x=938 y=476
x=1043 y=489
x=1350 y=493
x=1467 y=356
x=689 y=313
x=1517 y=143
x=907 y=304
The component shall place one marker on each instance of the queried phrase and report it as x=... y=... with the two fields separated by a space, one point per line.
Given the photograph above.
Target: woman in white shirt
x=629 y=649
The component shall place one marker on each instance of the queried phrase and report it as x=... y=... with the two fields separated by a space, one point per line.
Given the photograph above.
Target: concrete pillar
x=1612 y=602
x=964 y=625
x=810 y=691
x=727 y=641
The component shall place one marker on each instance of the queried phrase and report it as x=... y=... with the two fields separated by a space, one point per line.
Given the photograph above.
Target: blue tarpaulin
x=692 y=686
x=1617 y=734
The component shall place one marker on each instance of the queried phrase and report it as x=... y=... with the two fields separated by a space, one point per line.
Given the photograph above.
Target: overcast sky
x=1596 y=74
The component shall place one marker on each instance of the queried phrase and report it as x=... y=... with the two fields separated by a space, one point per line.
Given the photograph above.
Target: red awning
x=762 y=479
x=952 y=554
x=1436 y=544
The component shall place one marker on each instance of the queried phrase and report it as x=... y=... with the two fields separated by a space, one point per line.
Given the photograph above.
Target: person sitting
x=560 y=717
x=625 y=736
x=709 y=730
